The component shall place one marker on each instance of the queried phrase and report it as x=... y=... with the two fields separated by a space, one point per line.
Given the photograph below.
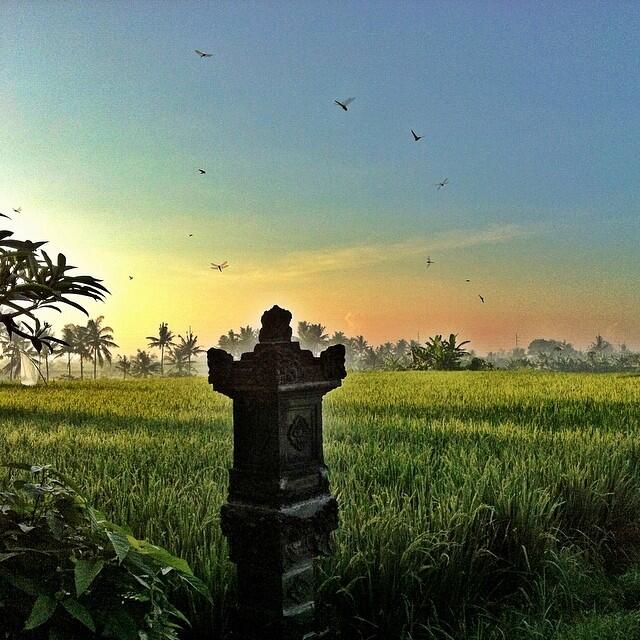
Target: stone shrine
x=280 y=512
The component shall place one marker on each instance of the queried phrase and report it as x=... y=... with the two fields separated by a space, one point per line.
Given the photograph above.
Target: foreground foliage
x=68 y=573
x=473 y=505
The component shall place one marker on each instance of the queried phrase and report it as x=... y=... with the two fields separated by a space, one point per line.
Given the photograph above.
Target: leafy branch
x=31 y=281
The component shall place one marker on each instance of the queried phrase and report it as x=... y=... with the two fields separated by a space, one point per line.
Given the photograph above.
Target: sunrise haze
x=531 y=111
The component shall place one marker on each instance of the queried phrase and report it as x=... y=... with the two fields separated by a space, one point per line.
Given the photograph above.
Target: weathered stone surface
x=280 y=513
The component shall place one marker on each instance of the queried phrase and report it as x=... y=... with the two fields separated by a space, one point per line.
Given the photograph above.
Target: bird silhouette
x=18 y=210
x=4 y=215
x=429 y=261
x=481 y=298
x=220 y=267
x=202 y=54
x=467 y=280
x=416 y=137
x=345 y=103
x=202 y=171
x=191 y=235
x=442 y=184
x=130 y=277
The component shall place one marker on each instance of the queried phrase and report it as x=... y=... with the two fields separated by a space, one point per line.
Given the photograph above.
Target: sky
x=530 y=109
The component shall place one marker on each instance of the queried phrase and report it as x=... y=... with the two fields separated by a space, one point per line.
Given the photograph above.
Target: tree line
x=92 y=345
x=171 y=354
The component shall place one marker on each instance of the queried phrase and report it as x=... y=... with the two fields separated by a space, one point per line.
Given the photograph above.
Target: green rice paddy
x=473 y=505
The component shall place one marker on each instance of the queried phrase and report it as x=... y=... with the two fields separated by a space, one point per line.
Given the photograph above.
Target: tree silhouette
x=162 y=340
x=68 y=337
x=358 y=347
x=230 y=342
x=144 y=364
x=99 y=340
x=189 y=345
x=178 y=360
x=338 y=337
x=312 y=336
x=124 y=364
x=247 y=339
x=81 y=346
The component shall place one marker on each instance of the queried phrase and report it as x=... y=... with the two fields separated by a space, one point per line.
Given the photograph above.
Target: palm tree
x=312 y=336
x=162 y=340
x=247 y=339
x=68 y=336
x=338 y=337
x=144 y=364
x=190 y=346
x=124 y=365
x=81 y=346
x=178 y=359
x=359 y=348
x=230 y=343
x=402 y=348
x=99 y=341
x=371 y=358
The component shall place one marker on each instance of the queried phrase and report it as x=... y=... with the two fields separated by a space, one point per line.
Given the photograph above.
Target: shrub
x=480 y=364
x=66 y=573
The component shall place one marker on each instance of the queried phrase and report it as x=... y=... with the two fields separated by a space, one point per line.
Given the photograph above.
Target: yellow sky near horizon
x=381 y=290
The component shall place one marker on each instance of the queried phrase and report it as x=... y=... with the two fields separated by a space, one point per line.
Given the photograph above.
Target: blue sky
x=530 y=109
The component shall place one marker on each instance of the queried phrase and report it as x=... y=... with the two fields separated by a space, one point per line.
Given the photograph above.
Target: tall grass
x=463 y=495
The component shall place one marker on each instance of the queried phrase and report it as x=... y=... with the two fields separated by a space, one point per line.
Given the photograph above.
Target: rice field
x=474 y=505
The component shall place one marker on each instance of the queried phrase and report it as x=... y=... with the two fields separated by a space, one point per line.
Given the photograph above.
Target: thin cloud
x=297 y=265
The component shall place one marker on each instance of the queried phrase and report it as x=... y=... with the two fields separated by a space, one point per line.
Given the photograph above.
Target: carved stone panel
x=299 y=434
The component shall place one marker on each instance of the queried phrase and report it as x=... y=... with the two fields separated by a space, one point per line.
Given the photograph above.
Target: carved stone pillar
x=280 y=513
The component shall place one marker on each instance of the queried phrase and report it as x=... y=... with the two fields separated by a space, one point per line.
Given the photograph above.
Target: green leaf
x=43 y=609
x=120 y=544
x=76 y=610
x=29 y=586
x=85 y=572
x=163 y=557
x=196 y=584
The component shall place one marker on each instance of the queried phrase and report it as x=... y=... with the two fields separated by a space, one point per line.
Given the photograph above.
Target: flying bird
x=18 y=210
x=202 y=54
x=130 y=277
x=481 y=298
x=416 y=137
x=191 y=235
x=345 y=103
x=4 y=215
x=467 y=280
x=202 y=171
x=220 y=267
x=442 y=184
x=429 y=261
